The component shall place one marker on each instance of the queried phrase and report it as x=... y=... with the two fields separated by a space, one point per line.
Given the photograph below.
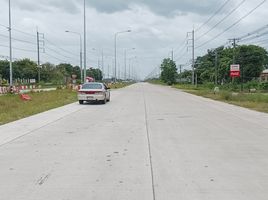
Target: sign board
x=32 y=81
x=235 y=71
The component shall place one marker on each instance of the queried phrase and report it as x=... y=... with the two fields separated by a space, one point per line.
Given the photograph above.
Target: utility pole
x=234 y=43
x=38 y=56
x=10 y=48
x=180 y=73
x=42 y=41
x=172 y=55
x=216 y=67
x=193 y=53
x=125 y=56
x=85 y=43
x=193 y=43
x=102 y=63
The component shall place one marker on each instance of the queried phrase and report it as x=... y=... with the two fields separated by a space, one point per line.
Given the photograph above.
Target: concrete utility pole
x=193 y=43
x=180 y=73
x=38 y=56
x=10 y=48
x=234 y=43
x=216 y=67
x=40 y=40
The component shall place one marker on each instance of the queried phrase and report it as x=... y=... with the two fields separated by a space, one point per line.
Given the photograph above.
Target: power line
x=213 y=15
x=21 y=49
x=224 y=18
x=253 y=32
x=69 y=52
x=25 y=33
x=55 y=51
x=19 y=40
x=238 y=21
x=61 y=60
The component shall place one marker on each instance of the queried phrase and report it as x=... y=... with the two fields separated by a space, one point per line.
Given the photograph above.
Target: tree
x=168 y=71
x=95 y=73
x=25 y=69
x=251 y=58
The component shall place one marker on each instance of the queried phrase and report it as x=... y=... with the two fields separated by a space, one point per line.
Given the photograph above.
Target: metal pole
x=81 y=58
x=38 y=56
x=85 y=44
x=102 y=63
x=216 y=67
x=193 y=77
x=10 y=48
x=125 y=75
x=115 y=57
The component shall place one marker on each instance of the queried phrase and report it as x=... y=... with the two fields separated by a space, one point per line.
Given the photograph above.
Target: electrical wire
x=223 y=19
x=238 y=21
x=69 y=52
x=213 y=15
x=16 y=48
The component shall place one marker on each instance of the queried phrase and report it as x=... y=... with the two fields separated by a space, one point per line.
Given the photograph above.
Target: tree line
x=214 y=66
x=49 y=73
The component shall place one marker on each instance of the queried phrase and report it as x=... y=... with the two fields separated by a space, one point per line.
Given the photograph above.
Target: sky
x=157 y=27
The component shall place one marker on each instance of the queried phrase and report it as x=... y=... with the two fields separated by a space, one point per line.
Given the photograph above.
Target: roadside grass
x=255 y=101
x=13 y=108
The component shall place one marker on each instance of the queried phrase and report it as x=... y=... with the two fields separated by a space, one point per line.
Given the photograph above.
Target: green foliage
x=251 y=58
x=49 y=73
x=95 y=73
x=168 y=71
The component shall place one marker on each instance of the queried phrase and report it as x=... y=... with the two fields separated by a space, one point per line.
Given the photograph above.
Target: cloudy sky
x=158 y=26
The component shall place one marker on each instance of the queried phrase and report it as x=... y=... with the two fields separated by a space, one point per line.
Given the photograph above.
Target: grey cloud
x=160 y=7
x=47 y=5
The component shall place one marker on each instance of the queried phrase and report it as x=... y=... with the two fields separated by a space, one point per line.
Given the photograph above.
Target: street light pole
x=10 y=48
x=80 y=55
x=125 y=54
x=85 y=44
x=115 y=51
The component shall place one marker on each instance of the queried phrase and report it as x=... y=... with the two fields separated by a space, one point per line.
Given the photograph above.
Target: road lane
x=201 y=149
x=204 y=149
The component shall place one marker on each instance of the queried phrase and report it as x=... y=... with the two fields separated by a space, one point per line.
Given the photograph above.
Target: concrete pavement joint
x=149 y=145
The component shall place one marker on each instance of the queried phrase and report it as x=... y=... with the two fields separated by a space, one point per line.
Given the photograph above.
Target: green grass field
x=13 y=108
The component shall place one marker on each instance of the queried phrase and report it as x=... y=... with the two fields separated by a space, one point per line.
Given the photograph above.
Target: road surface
x=149 y=143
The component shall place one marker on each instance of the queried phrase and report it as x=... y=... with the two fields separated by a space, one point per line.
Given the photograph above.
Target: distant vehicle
x=94 y=91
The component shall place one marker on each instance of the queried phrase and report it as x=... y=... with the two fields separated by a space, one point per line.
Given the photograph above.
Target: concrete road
x=149 y=143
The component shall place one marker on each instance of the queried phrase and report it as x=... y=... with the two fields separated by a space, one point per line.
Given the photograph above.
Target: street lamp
x=126 y=62
x=10 y=48
x=115 y=37
x=85 y=44
x=81 y=68
x=129 y=67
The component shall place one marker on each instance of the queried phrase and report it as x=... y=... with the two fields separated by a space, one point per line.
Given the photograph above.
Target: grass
x=255 y=101
x=13 y=108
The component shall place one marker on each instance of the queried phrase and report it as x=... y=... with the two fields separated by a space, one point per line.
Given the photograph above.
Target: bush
x=264 y=86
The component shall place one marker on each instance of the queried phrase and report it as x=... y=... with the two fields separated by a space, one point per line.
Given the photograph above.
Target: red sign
x=235 y=71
